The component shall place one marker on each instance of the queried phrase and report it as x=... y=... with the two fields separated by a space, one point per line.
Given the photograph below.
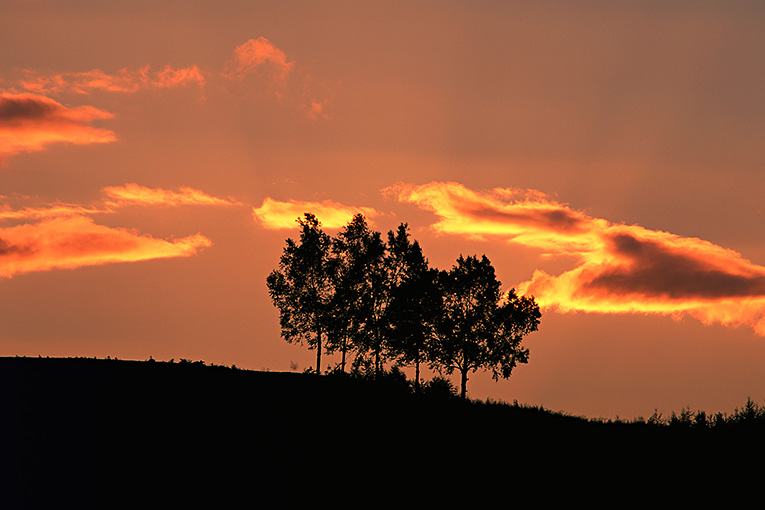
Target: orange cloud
x=135 y=194
x=51 y=211
x=621 y=268
x=123 y=81
x=275 y=215
x=29 y=122
x=76 y=241
x=316 y=110
x=116 y=196
x=256 y=53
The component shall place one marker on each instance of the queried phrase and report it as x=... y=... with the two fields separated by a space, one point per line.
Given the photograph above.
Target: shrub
x=439 y=387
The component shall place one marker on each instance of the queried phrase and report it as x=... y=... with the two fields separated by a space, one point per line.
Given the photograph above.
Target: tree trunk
x=463 y=384
x=345 y=348
x=417 y=376
x=417 y=373
x=318 y=352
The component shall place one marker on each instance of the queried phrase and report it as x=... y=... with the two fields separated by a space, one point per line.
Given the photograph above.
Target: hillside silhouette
x=110 y=433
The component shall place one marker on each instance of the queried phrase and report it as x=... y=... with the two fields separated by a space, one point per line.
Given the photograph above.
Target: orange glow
x=622 y=268
x=135 y=194
x=122 y=81
x=316 y=110
x=76 y=241
x=117 y=196
x=256 y=53
x=36 y=213
x=29 y=122
x=170 y=77
x=524 y=217
x=275 y=215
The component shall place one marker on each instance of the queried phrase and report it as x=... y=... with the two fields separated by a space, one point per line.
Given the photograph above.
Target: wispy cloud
x=274 y=72
x=124 y=80
x=274 y=214
x=76 y=241
x=49 y=211
x=261 y=58
x=115 y=197
x=62 y=235
x=135 y=194
x=621 y=268
x=29 y=122
x=315 y=110
x=256 y=55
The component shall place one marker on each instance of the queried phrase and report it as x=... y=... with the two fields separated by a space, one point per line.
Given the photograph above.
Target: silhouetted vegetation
x=479 y=327
x=303 y=289
x=380 y=303
x=87 y=433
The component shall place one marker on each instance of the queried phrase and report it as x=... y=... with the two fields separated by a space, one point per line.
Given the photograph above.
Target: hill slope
x=81 y=430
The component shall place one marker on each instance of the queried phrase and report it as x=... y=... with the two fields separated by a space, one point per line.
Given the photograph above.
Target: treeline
x=376 y=301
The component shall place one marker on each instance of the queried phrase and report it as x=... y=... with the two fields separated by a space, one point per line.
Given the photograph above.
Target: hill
x=102 y=433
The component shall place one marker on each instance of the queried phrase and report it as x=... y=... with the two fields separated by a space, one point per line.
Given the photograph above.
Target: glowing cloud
x=51 y=211
x=256 y=53
x=622 y=268
x=125 y=81
x=29 y=122
x=283 y=215
x=316 y=111
x=76 y=241
x=135 y=194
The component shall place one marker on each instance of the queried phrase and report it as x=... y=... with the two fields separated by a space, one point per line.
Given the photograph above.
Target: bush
x=439 y=387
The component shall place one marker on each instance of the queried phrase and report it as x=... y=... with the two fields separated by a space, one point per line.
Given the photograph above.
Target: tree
x=480 y=328
x=362 y=291
x=302 y=288
x=414 y=301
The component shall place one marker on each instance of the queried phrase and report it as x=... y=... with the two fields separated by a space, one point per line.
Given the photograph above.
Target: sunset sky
x=608 y=157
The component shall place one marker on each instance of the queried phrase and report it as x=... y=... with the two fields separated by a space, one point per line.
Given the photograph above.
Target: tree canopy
x=479 y=326
x=303 y=288
x=378 y=302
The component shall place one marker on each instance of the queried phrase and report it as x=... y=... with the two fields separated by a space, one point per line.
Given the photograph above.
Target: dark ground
x=87 y=433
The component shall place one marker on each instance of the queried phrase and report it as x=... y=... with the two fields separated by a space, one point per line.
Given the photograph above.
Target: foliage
x=302 y=287
x=361 y=291
x=380 y=302
x=480 y=328
x=415 y=302
x=439 y=387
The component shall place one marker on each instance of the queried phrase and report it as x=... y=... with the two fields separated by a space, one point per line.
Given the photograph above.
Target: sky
x=606 y=156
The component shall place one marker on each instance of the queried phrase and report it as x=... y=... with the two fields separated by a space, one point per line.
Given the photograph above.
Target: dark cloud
x=621 y=268
x=654 y=270
x=29 y=122
x=8 y=249
x=24 y=107
x=555 y=219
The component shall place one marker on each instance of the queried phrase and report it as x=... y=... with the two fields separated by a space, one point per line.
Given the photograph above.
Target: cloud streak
x=115 y=197
x=124 y=81
x=257 y=57
x=50 y=211
x=61 y=235
x=621 y=268
x=76 y=241
x=277 y=215
x=135 y=194
x=29 y=122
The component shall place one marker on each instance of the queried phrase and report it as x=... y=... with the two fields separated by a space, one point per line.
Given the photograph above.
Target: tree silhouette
x=415 y=301
x=302 y=288
x=344 y=311
x=479 y=327
x=381 y=301
x=362 y=291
